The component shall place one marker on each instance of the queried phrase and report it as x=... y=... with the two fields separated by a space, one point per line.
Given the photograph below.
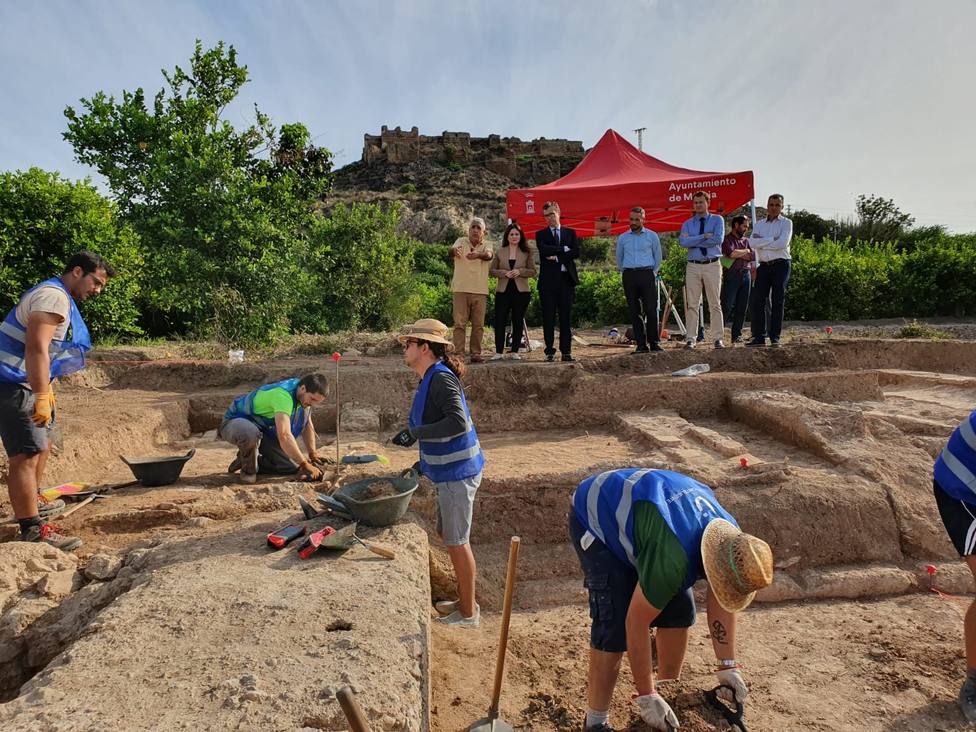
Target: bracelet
x=728 y=662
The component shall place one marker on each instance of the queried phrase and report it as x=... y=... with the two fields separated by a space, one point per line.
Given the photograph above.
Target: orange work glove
x=43 y=408
x=306 y=468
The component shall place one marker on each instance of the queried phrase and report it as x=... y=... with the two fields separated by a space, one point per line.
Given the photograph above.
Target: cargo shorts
x=18 y=432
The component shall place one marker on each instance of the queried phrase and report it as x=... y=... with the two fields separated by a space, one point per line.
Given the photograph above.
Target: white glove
x=732 y=677
x=657 y=713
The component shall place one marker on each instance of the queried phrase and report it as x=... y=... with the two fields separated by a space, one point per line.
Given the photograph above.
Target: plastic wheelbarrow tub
x=384 y=510
x=155 y=471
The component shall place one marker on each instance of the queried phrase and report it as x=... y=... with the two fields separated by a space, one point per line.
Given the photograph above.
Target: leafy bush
x=596 y=250
x=45 y=220
x=914 y=329
x=408 y=188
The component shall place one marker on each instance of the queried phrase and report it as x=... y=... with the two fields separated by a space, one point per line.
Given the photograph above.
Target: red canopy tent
x=596 y=197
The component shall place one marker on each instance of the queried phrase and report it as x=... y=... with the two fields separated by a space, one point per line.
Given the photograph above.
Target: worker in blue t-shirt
x=955 y=495
x=644 y=537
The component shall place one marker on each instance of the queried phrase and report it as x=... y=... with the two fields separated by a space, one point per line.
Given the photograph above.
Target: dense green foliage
x=43 y=221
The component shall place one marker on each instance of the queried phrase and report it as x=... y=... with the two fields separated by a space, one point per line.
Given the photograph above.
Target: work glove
x=306 y=469
x=320 y=460
x=732 y=677
x=403 y=438
x=657 y=713
x=43 y=408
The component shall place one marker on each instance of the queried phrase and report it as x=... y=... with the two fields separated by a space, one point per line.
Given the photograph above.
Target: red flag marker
x=931 y=569
x=336 y=356
x=743 y=462
x=828 y=330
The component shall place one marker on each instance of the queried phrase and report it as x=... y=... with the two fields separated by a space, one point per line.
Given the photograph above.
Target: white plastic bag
x=693 y=370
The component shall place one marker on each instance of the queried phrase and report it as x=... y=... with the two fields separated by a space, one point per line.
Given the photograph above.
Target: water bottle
x=693 y=370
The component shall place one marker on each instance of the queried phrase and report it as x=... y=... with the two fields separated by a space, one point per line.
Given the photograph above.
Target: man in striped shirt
x=955 y=495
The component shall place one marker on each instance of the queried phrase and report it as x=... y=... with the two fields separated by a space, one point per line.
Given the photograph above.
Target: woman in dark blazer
x=513 y=265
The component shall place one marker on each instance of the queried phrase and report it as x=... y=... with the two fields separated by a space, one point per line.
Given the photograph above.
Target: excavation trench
x=227 y=625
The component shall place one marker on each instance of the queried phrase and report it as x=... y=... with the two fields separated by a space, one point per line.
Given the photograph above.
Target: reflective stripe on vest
x=446 y=459
x=955 y=468
x=67 y=356
x=243 y=408
x=604 y=505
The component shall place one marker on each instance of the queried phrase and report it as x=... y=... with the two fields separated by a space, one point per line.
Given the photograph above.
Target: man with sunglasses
x=42 y=337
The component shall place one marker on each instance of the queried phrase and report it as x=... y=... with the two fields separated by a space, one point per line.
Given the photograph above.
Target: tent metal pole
x=752 y=208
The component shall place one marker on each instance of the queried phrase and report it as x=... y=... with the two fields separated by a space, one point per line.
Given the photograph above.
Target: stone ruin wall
x=502 y=155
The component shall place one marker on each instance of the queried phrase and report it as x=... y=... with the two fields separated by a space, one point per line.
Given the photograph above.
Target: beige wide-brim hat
x=426 y=329
x=736 y=564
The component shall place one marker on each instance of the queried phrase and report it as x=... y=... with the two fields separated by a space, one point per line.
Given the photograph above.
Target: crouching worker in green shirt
x=643 y=538
x=264 y=425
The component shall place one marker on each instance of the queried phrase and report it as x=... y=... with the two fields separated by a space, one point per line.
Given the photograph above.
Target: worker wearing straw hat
x=450 y=454
x=643 y=538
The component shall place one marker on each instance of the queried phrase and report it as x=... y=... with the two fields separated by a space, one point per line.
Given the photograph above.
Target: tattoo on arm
x=718 y=632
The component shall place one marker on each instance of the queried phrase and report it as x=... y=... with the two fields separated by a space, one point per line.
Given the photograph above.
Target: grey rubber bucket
x=155 y=471
x=384 y=510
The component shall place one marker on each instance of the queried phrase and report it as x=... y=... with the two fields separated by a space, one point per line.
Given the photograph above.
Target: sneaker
x=550 y=357
x=496 y=357
x=456 y=618
x=249 y=478
x=756 y=343
x=446 y=607
x=47 y=509
x=656 y=348
x=645 y=349
x=567 y=358
x=515 y=357
x=51 y=534
x=689 y=345
x=477 y=359
x=774 y=343
x=719 y=344
x=967 y=699
x=604 y=727
x=235 y=465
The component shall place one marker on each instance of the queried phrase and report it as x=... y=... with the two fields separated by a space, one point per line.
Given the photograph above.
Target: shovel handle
x=496 y=693
x=80 y=505
x=350 y=707
x=380 y=550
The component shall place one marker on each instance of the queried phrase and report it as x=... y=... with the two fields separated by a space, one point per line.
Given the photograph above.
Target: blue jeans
x=771 y=276
x=735 y=299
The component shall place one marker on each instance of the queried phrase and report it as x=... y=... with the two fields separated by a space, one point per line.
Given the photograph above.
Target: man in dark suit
x=558 y=251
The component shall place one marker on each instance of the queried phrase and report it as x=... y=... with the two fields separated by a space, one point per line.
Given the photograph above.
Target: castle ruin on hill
x=506 y=156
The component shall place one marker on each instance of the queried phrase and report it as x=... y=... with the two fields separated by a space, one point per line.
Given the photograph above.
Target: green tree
x=224 y=213
x=44 y=219
x=879 y=219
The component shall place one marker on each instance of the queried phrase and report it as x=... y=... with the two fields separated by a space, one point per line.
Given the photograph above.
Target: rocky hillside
x=445 y=184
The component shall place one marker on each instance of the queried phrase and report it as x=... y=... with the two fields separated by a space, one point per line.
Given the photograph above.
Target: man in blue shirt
x=702 y=236
x=639 y=259
x=955 y=495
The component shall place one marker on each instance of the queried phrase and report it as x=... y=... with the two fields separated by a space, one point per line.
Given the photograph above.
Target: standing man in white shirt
x=770 y=241
x=702 y=236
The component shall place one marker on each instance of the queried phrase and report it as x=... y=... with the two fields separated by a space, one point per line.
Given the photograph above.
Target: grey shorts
x=19 y=433
x=455 y=505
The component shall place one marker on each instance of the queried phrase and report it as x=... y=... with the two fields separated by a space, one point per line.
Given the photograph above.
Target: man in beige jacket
x=472 y=261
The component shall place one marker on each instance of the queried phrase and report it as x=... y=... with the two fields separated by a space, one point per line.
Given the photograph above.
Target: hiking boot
x=477 y=359
x=47 y=508
x=967 y=699
x=456 y=618
x=51 y=534
x=446 y=607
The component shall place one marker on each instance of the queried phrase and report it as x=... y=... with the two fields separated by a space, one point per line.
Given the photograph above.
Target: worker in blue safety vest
x=42 y=338
x=450 y=454
x=643 y=538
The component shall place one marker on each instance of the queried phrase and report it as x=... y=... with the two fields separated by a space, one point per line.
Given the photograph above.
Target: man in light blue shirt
x=702 y=236
x=638 y=260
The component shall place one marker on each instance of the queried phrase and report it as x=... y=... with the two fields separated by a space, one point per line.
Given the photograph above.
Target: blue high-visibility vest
x=604 y=504
x=955 y=468
x=243 y=408
x=67 y=356
x=445 y=459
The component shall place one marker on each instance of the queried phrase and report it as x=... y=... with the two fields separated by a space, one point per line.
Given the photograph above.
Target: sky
x=822 y=99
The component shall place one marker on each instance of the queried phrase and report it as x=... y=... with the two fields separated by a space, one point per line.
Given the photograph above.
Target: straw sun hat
x=426 y=329
x=736 y=564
